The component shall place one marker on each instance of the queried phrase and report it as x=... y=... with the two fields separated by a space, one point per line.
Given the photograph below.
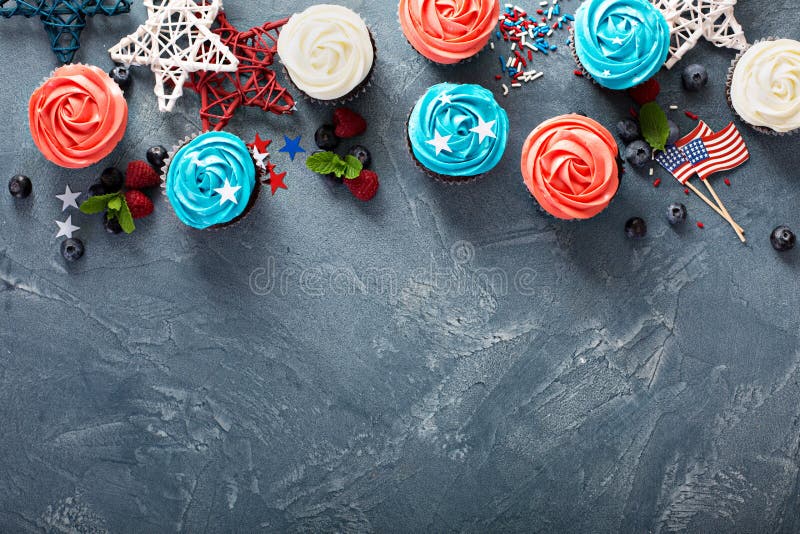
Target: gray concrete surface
x=440 y=359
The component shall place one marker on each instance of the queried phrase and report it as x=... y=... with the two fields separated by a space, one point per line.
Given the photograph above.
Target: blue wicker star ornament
x=63 y=20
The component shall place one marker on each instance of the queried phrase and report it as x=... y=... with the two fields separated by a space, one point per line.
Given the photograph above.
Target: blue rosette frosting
x=458 y=130
x=210 y=180
x=621 y=43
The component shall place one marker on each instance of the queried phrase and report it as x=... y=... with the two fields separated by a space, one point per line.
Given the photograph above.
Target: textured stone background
x=616 y=386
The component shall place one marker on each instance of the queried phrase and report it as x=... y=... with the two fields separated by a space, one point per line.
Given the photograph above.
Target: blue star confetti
x=292 y=146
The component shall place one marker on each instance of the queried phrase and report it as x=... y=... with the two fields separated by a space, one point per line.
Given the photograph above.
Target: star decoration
x=276 y=180
x=261 y=144
x=445 y=98
x=252 y=84
x=68 y=199
x=292 y=146
x=440 y=142
x=64 y=20
x=617 y=40
x=260 y=158
x=66 y=228
x=227 y=193
x=175 y=40
x=606 y=73
x=484 y=130
x=690 y=20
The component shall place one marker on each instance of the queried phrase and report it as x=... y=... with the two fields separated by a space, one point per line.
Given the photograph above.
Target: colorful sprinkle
x=727 y=182
x=691 y=115
x=686 y=191
x=700 y=225
x=656 y=182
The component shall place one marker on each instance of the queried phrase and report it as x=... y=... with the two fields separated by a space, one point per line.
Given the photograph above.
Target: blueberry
x=97 y=190
x=72 y=249
x=121 y=75
x=674 y=133
x=112 y=226
x=782 y=239
x=695 y=77
x=325 y=137
x=636 y=228
x=676 y=213
x=628 y=130
x=112 y=179
x=156 y=155
x=637 y=153
x=361 y=154
x=20 y=186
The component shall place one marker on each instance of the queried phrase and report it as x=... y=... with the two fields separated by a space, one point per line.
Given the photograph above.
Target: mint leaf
x=125 y=218
x=96 y=204
x=655 y=128
x=325 y=163
x=115 y=203
x=353 y=167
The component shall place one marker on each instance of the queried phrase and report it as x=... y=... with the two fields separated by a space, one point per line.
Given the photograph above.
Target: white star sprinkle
x=66 y=228
x=617 y=41
x=440 y=142
x=444 y=98
x=68 y=199
x=260 y=158
x=484 y=130
x=606 y=73
x=227 y=193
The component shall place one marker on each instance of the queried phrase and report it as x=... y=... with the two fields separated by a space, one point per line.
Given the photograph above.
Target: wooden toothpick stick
x=738 y=229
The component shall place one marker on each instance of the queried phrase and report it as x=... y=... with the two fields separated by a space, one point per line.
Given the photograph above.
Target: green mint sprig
x=116 y=207
x=654 y=125
x=330 y=163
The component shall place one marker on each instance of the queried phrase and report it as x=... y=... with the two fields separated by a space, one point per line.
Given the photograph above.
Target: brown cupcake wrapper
x=760 y=129
x=233 y=222
x=449 y=180
x=356 y=92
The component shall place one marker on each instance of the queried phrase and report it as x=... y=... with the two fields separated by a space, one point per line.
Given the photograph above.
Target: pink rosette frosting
x=448 y=31
x=569 y=164
x=77 y=116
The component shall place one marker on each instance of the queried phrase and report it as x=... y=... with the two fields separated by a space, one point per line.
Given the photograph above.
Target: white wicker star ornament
x=689 y=20
x=176 y=40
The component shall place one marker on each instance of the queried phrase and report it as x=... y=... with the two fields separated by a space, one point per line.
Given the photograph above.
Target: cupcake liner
x=729 y=80
x=356 y=92
x=450 y=180
x=253 y=196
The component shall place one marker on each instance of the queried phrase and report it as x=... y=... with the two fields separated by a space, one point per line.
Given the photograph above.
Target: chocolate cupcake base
x=443 y=178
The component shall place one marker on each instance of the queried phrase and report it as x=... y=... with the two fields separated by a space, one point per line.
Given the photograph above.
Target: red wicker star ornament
x=253 y=84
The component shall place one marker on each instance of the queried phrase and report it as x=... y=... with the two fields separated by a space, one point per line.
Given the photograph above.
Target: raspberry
x=646 y=92
x=348 y=123
x=365 y=186
x=141 y=175
x=139 y=204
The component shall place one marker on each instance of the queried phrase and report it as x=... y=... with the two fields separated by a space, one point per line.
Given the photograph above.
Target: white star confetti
x=66 y=228
x=228 y=193
x=617 y=41
x=440 y=142
x=484 y=130
x=261 y=158
x=68 y=199
x=175 y=40
x=606 y=73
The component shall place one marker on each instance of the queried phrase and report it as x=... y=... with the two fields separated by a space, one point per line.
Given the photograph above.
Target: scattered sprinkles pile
x=527 y=35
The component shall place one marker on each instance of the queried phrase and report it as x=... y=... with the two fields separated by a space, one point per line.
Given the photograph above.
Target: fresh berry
x=361 y=154
x=20 y=186
x=695 y=77
x=97 y=190
x=637 y=153
x=156 y=156
x=72 y=249
x=348 y=123
x=782 y=239
x=365 y=186
x=674 y=133
x=140 y=204
x=140 y=175
x=112 y=226
x=326 y=138
x=628 y=130
x=121 y=75
x=112 y=179
x=636 y=228
x=645 y=92
x=676 y=213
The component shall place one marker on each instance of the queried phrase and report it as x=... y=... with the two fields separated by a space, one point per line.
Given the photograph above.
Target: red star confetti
x=275 y=179
x=253 y=84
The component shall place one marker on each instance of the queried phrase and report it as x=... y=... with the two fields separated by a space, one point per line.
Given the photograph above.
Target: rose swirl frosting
x=458 y=130
x=569 y=164
x=765 y=87
x=621 y=43
x=207 y=163
x=77 y=116
x=448 y=31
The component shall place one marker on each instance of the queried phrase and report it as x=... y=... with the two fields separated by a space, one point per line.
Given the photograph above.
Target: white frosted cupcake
x=328 y=53
x=764 y=86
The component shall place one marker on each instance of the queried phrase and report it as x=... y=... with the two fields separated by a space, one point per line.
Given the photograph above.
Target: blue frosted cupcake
x=457 y=132
x=211 y=181
x=620 y=43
